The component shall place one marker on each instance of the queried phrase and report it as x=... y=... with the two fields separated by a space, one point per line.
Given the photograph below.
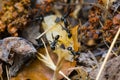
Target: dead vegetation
x=66 y=39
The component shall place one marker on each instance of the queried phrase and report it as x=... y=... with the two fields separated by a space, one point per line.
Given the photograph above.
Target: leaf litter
x=57 y=40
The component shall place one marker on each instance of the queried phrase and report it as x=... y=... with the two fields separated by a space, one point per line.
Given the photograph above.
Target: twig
x=44 y=32
x=7 y=72
x=107 y=5
x=109 y=47
x=107 y=56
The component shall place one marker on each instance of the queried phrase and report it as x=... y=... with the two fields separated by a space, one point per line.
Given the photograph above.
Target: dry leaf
x=66 y=67
x=35 y=71
x=49 y=21
x=38 y=71
x=75 y=38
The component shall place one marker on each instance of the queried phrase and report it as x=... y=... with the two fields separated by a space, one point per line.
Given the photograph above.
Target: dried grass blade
x=107 y=56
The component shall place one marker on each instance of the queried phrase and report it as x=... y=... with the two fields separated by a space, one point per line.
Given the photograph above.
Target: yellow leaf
x=74 y=32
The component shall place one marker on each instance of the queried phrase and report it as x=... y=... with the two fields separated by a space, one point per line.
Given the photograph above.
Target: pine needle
x=107 y=56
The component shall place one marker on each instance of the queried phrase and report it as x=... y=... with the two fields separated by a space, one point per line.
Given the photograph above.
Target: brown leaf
x=38 y=71
x=35 y=71
x=66 y=66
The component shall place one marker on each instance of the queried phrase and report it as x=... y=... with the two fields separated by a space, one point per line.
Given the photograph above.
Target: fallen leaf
x=35 y=71
x=49 y=22
x=66 y=66
x=38 y=71
x=74 y=32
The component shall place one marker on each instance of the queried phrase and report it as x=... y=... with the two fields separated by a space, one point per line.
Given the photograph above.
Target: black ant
x=67 y=14
x=73 y=52
x=38 y=18
x=64 y=19
x=68 y=31
x=53 y=44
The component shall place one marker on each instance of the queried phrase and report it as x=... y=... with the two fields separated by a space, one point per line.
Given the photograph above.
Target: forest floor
x=60 y=39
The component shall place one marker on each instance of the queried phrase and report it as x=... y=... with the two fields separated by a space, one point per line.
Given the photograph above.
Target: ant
x=68 y=31
x=67 y=14
x=53 y=44
x=73 y=52
x=38 y=18
x=70 y=49
x=64 y=19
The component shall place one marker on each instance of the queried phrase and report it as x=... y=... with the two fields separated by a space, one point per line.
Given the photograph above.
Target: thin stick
x=60 y=72
x=107 y=5
x=109 y=47
x=7 y=72
x=45 y=47
x=44 y=32
x=107 y=56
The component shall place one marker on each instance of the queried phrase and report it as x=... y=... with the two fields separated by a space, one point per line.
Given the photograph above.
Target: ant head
x=69 y=48
x=41 y=18
x=69 y=35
